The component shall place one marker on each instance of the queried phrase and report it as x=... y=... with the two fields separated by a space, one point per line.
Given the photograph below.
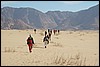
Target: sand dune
x=69 y=48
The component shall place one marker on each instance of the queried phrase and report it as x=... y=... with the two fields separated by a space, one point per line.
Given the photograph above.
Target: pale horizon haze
x=45 y=6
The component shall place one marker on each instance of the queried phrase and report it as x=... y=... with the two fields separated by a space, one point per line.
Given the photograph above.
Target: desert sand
x=69 y=48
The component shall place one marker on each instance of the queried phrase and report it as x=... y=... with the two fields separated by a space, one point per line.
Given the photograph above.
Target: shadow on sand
x=38 y=47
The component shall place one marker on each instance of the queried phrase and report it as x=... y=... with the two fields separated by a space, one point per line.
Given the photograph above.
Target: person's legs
x=45 y=46
x=30 y=47
x=35 y=32
x=54 y=33
x=45 y=43
x=50 y=38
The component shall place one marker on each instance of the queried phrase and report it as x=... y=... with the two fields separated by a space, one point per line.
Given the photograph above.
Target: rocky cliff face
x=28 y=18
x=84 y=19
x=24 y=18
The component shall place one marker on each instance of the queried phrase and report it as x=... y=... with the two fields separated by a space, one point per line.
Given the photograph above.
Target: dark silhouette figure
x=46 y=41
x=30 y=43
x=48 y=30
x=50 y=36
x=35 y=31
x=58 y=31
x=45 y=33
x=54 y=31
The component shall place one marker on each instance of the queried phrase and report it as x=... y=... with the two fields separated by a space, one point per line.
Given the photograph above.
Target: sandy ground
x=69 y=46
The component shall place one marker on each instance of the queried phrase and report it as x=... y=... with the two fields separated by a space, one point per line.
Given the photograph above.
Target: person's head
x=30 y=35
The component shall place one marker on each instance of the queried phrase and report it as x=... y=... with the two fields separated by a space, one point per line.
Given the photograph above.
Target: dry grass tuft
x=8 y=49
x=70 y=61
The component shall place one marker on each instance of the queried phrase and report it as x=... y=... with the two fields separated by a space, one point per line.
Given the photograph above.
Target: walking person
x=48 y=30
x=54 y=31
x=46 y=41
x=50 y=36
x=51 y=31
x=58 y=31
x=35 y=31
x=30 y=43
x=45 y=33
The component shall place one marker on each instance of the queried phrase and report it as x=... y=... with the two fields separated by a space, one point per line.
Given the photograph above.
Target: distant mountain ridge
x=29 y=18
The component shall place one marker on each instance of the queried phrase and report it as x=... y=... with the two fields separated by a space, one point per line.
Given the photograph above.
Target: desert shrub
x=70 y=61
x=9 y=49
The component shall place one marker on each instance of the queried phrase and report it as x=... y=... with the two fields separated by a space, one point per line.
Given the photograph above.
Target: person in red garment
x=30 y=43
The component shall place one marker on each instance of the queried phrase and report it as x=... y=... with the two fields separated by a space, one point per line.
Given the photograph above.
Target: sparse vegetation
x=8 y=49
x=70 y=61
x=61 y=50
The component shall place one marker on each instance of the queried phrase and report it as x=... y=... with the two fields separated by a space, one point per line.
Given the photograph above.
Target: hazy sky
x=45 y=6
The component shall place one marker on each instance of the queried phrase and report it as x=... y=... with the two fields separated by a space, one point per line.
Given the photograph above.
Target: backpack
x=29 y=41
x=47 y=39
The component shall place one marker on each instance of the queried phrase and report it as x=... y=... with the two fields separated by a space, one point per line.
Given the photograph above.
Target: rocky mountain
x=84 y=20
x=28 y=18
x=24 y=18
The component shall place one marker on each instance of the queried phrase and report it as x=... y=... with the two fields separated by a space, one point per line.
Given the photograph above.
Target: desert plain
x=68 y=48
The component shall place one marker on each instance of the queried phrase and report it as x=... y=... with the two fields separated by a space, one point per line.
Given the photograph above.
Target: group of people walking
x=55 y=31
x=46 y=39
